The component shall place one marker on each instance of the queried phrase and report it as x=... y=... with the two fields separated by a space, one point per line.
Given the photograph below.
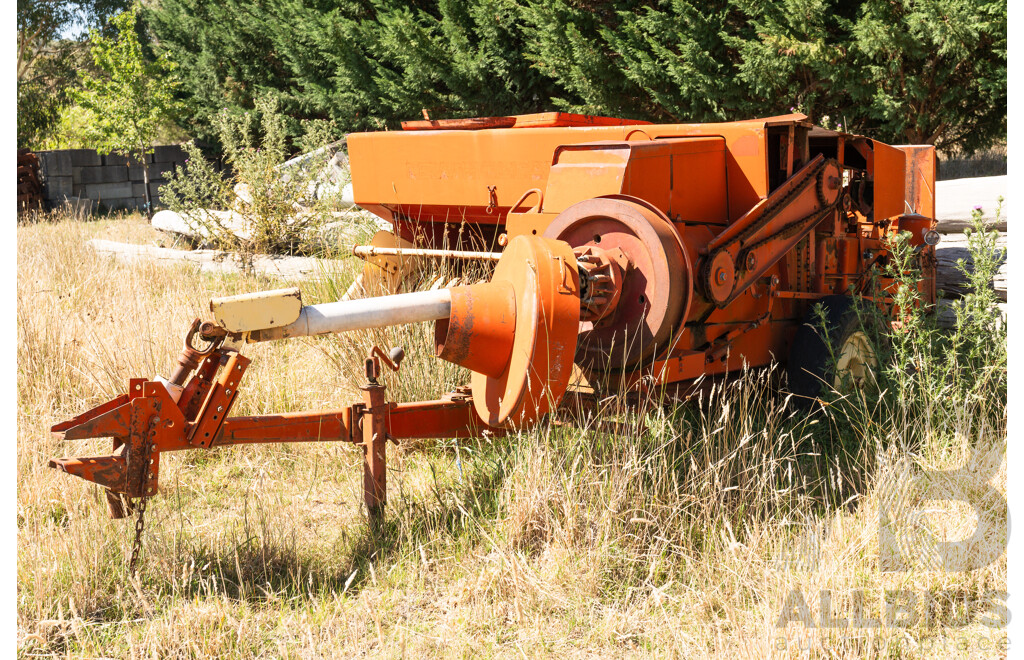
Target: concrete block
x=135 y=172
x=138 y=190
x=105 y=191
x=168 y=153
x=58 y=187
x=85 y=175
x=120 y=204
x=106 y=174
x=79 y=207
x=84 y=158
x=55 y=163
x=159 y=170
x=115 y=159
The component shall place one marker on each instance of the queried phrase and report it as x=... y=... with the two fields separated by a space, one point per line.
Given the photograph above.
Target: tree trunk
x=145 y=183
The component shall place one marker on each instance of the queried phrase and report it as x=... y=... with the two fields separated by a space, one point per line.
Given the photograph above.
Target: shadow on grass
x=688 y=469
x=262 y=562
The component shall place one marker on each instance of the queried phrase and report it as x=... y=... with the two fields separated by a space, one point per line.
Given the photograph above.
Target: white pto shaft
x=363 y=314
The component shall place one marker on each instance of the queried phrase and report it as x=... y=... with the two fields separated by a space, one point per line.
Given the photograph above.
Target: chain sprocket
x=817 y=174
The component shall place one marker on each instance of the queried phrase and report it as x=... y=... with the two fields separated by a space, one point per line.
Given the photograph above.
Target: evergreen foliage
x=901 y=70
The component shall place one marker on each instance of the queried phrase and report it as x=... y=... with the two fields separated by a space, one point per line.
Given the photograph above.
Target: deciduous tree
x=130 y=97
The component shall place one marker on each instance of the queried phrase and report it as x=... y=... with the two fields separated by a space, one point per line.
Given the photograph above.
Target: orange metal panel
x=920 y=178
x=889 y=176
x=685 y=178
x=700 y=191
x=472 y=124
x=583 y=171
x=528 y=223
x=563 y=119
x=448 y=175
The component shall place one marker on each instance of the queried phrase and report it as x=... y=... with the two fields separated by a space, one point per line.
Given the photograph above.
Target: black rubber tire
x=812 y=357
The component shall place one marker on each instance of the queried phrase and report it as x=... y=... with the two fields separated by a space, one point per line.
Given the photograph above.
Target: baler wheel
x=839 y=356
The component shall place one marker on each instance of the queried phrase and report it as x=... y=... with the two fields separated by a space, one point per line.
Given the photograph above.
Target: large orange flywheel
x=649 y=270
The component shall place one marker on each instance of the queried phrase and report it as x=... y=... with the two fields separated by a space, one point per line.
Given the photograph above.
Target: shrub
x=255 y=206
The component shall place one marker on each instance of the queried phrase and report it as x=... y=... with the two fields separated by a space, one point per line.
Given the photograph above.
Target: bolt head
x=720 y=277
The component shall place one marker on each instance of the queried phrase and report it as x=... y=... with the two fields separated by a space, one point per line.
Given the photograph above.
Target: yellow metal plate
x=383 y=274
x=257 y=311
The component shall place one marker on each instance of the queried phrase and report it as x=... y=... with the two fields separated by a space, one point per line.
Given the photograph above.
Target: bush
x=255 y=206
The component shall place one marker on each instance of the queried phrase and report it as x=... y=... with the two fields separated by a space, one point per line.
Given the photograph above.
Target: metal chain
x=140 y=502
x=766 y=217
x=769 y=214
x=787 y=230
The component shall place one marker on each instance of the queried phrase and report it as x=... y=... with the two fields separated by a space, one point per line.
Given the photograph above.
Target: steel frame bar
x=147 y=421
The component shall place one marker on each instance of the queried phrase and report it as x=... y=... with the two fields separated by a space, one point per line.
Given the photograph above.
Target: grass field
x=729 y=528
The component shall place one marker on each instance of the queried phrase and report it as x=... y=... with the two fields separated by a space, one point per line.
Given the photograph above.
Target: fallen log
x=215 y=261
x=345 y=227
x=945 y=312
x=950 y=280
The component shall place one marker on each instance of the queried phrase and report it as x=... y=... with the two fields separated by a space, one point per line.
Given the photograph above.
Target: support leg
x=374 y=451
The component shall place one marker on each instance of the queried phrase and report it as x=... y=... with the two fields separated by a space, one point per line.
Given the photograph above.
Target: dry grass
x=990 y=162
x=688 y=540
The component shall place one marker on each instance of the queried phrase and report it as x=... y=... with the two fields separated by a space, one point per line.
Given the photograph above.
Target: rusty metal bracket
x=492 y=202
x=721 y=345
x=221 y=396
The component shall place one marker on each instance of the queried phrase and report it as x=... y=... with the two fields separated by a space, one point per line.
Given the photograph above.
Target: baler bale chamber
x=748 y=200
x=628 y=255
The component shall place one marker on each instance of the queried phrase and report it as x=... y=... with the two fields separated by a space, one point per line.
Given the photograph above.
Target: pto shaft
x=363 y=314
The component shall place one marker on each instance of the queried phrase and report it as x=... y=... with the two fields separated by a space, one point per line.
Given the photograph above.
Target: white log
x=197 y=223
x=215 y=261
x=342 y=226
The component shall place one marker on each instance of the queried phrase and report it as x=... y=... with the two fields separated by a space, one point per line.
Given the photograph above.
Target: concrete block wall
x=113 y=182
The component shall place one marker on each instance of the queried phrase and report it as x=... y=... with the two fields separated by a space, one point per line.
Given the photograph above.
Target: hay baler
x=629 y=255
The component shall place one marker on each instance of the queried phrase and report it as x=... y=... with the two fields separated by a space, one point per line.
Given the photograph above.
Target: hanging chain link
x=140 y=502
